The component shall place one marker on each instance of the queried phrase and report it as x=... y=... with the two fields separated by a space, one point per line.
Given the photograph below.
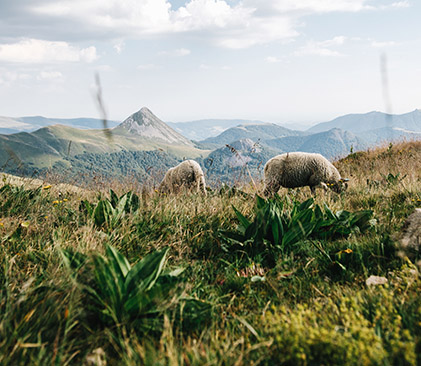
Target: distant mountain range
x=202 y=129
x=254 y=132
x=58 y=147
x=358 y=123
x=10 y=125
x=144 y=146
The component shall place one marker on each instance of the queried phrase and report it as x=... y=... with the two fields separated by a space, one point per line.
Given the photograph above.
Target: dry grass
x=305 y=312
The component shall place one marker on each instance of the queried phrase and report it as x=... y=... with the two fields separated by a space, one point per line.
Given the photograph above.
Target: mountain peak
x=145 y=124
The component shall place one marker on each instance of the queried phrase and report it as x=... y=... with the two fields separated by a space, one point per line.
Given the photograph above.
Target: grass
x=226 y=305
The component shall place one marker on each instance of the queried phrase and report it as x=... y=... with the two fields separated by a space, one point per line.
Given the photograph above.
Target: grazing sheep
x=300 y=169
x=187 y=175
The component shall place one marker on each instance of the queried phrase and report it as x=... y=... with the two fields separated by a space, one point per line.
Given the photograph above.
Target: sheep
x=300 y=169
x=187 y=175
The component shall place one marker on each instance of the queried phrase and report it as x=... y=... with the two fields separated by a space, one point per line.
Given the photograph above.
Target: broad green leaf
x=306 y=204
x=113 y=198
x=72 y=259
x=145 y=273
x=243 y=221
x=120 y=263
x=109 y=283
x=261 y=202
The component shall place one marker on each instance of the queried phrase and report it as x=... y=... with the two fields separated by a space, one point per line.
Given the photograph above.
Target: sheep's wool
x=186 y=175
x=299 y=169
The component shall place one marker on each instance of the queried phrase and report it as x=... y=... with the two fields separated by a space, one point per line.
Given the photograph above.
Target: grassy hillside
x=193 y=286
x=57 y=146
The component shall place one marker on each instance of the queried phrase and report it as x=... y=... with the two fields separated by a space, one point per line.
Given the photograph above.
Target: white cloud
x=50 y=75
x=40 y=51
x=119 y=47
x=383 y=44
x=273 y=60
x=397 y=4
x=8 y=78
x=311 y=6
x=322 y=48
x=226 y=23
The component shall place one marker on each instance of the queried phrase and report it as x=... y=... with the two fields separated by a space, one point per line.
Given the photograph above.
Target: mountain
x=146 y=125
x=358 y=123
x=202 y=129
x=254 y=132
x=10 y=125
x=56 y=146
x=234 y=162
x=331 y=144
x=388 y=134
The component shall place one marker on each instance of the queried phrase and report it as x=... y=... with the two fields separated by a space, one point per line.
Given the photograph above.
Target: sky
x=282 y=61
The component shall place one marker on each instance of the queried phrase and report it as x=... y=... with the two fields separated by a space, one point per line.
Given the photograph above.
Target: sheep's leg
x=202 y=185
x=320 y=185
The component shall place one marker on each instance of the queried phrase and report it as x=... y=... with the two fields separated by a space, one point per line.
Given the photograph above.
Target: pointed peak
x=145 y=124
x=145 y=110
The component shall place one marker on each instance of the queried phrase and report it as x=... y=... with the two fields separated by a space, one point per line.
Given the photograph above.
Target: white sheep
x=186 y=175
x=300 y=169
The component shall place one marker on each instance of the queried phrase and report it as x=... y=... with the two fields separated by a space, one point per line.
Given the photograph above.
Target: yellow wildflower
x=47 y=187
x=55 y=202
x=348 y=251
x=65 y=199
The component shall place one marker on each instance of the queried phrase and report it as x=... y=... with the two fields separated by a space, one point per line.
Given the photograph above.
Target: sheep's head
x=340 y=186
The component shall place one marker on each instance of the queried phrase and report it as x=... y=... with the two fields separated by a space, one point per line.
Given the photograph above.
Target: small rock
x=375 y=280
x=96 y=358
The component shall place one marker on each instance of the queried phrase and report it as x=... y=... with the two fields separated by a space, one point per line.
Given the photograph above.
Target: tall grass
x=300 y=308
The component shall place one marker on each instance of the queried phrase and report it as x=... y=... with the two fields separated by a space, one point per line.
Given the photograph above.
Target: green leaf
x=120 y=263
x=72 y=259
x=113 y=198
x=243 y=221
x=306 y=204
x=145 y=273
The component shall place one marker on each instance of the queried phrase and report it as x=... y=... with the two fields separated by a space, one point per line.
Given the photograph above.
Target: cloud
x=217 y=21
x=40 y=51
x=273 y=60
x=225 y=23
x=50 y=75
x=397 y=4
x=320 y=6
x=7 y=78
x=378 y=44
x=322 y=48
x=119 y=47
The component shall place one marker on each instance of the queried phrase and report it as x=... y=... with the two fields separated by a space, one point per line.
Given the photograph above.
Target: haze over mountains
x=10 y=125
x=142 y=144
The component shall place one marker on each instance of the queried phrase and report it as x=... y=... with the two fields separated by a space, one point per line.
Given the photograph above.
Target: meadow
x=116 y=274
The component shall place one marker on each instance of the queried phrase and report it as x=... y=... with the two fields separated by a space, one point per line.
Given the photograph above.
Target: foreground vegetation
x=128 y=277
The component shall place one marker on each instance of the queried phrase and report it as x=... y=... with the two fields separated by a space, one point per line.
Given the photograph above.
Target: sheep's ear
x=344 y=180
